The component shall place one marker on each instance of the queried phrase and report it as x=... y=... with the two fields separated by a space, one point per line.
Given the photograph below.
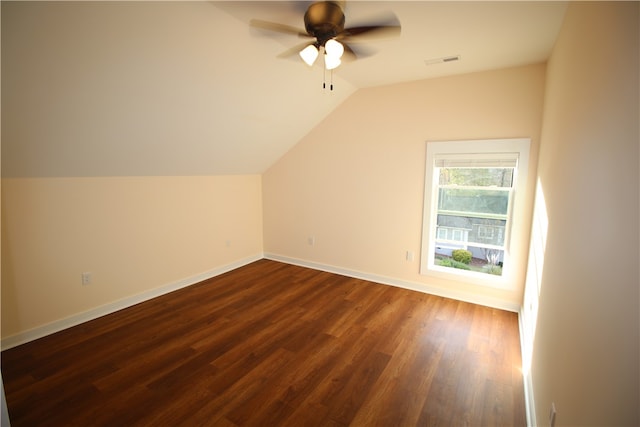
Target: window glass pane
x=477 y=177
x=486 y=260
x=482 y=231
x=472 y=209
x=476 y=200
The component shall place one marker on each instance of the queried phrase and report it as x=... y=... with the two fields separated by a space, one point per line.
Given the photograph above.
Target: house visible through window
x=469 y=196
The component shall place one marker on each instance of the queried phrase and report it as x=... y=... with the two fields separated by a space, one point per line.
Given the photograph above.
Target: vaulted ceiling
x=189 y=88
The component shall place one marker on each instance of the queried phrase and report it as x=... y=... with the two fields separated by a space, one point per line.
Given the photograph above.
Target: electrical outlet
x=409 y=256
x=86 y=279
x=311 y=240
x=552 y=415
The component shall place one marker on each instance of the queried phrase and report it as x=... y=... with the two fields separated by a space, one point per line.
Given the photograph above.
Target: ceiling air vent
x=452 y=58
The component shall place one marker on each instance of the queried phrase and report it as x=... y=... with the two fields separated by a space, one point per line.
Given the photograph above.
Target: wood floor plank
x=279 y=345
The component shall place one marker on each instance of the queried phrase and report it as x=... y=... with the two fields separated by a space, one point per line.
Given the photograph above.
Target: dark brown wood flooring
x=272 y=344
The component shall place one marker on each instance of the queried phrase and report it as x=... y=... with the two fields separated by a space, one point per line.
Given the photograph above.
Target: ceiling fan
x=324 y=21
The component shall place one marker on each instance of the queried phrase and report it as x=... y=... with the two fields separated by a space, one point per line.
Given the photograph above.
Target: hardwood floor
x=272 y=344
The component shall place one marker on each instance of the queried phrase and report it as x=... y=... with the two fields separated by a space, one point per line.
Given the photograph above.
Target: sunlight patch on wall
x=533 y=284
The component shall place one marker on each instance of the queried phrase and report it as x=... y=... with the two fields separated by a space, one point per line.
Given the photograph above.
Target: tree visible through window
x=469 y=195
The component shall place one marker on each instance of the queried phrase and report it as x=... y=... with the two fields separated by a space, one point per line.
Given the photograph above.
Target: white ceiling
x=189 y=88
x=486 y=35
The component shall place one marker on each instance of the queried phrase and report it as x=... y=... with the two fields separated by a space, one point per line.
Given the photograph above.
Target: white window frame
x=473 y=149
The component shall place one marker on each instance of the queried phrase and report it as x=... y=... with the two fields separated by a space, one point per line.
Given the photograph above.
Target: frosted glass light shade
x=334 y=48
x=309 y=54
x=331 y=62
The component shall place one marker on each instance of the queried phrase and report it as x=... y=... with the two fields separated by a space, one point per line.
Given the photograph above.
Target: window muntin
x=474 y=200
x=470 y=189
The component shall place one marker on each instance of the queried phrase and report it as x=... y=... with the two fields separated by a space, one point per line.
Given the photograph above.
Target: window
x=470 y=200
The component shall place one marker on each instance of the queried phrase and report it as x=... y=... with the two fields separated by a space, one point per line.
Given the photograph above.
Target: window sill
x=471 y=277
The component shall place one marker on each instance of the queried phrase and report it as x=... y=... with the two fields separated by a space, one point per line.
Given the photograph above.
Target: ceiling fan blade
x=294 y=51
x=349 y=54
x=280 y=28
x=386 y=24
x=352 y=53
x=371 y=30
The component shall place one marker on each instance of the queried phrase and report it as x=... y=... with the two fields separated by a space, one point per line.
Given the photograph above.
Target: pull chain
x=324 y=78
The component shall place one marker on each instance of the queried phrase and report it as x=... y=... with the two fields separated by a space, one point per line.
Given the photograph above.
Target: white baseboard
x=76 y=319
x=529 y=402
x=414 y=286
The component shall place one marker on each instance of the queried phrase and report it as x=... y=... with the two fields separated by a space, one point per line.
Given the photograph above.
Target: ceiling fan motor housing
x=324 y=20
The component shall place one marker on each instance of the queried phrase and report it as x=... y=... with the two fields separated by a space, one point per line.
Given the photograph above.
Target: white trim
x=493 y=148
x=529 y=401
x=414 y=286
x=94 y=313
x=76 y=319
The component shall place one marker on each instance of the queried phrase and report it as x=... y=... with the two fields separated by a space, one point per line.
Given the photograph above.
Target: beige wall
x=356 y=181
x=586 y=348
x=94 y=94
x=133 y=234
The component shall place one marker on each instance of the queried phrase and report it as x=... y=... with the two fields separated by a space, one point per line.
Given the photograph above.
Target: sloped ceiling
x=188 y=88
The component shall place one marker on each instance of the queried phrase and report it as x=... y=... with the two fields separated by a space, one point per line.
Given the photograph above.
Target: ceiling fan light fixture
x=324 y=23
x=309 y=54
x=334 y=48
x=331 y=62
